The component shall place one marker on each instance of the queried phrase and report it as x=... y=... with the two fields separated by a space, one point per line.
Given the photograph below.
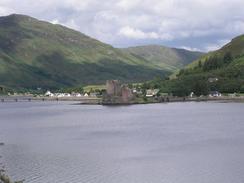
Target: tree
x=130 y=85
x=242 y=89
x=180 y=88
x=200 y=88
x=181 y=72
x=212 y=63
x=200 y=64
x=228 y=57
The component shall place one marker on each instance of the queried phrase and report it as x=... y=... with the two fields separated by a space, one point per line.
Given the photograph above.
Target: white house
x=94 y=94
x=152 y=93
x=76 y=94
x=49 y=94
x=214 y=94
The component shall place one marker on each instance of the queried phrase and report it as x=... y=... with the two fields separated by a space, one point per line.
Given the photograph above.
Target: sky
x=199 y=25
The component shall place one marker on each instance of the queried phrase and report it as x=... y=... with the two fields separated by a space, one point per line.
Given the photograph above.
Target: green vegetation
x=71 y=89
x=90 y=88
x=222 y=70
x=5 y=90
x=169 y=58
x=36 y=54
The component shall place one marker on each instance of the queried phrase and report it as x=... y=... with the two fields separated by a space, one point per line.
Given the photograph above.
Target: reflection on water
x=55 y=142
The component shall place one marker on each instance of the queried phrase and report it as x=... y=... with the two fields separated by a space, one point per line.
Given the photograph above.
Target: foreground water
x=162 y=143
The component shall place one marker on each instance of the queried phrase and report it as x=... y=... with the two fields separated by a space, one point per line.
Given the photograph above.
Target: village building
x=76 y=94
x=192 y=94
x=49 y=94
x=152 y=92
x=214 y=94
x=137 y=91
x=94 y=94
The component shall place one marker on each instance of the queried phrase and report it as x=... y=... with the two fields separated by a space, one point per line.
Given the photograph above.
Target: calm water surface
x=49 y=142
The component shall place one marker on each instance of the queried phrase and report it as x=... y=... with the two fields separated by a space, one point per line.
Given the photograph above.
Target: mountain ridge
x=162 y=56
x=36 y=53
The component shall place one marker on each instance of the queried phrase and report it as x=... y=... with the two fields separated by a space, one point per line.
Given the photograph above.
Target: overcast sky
x=192 y=24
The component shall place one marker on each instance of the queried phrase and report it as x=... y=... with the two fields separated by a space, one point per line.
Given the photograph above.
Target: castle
x=117 y=93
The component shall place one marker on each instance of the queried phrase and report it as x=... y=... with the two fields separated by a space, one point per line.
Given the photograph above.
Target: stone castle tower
x=113 y=87
x=117 y=93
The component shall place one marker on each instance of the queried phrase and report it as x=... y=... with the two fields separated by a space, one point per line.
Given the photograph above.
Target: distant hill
x=35 y=54
x=170 y=59
x=221 y=70
x=235 y=47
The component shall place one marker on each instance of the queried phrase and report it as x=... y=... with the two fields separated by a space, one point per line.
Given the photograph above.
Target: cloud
x=190 y=48
x=197 y=24
x=5 y=11
x=127 y=4
x=130 y=32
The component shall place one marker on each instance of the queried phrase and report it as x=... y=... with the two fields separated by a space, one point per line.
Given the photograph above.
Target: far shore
x=98 y=101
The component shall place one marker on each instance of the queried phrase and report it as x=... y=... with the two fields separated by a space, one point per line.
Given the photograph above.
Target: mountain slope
x=35 y=54
x=168 y=58
x=235 y=47
x=221 y=70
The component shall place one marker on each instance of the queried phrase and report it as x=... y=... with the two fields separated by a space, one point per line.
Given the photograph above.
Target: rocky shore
x=4 y=178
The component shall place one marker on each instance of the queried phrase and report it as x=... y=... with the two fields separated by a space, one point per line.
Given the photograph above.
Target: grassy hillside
x=235 y=47
x=221 y=70
x=169 y=58
x=35 y=54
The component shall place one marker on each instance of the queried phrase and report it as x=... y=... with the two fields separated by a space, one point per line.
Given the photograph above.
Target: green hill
x=169 y=58
x=35 y=54
x=221 y=70
x=235 y=47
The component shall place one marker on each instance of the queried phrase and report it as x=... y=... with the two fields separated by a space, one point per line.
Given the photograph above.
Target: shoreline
x=98 y=101
x=179 y=99
x=52 y=99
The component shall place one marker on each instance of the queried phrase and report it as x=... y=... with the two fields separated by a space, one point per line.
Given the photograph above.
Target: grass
x=169 y=58
x=94 y=87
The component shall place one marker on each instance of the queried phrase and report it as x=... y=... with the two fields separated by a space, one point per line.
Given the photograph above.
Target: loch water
x=58 y=142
